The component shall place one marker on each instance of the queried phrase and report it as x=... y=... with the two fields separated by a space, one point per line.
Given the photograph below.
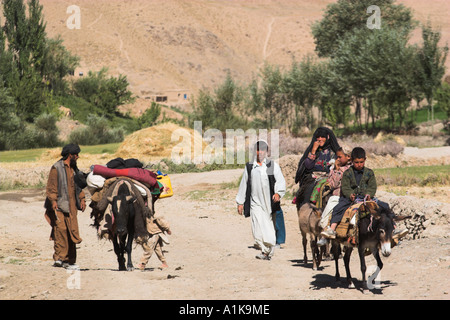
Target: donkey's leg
x=362 y=260
x=313 y=246
x=376 y=254
x=314 y=251
x=326 y=250
x=374 y=276
x=129 y=248
x=131 y=231
x=319 y=251
x=335 y=248
x=347 y=255
x=305 y=242
x=118 y=249
x=122 y=252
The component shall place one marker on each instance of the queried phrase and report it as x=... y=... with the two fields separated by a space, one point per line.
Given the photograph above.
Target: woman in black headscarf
x=315 y=163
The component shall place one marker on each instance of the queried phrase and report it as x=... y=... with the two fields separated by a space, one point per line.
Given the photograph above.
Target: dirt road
x=209 y=257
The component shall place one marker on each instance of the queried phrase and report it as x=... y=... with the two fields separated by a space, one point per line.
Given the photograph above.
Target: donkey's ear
x=110 y=199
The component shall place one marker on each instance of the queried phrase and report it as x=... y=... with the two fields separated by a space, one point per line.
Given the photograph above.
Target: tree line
x=378 y=72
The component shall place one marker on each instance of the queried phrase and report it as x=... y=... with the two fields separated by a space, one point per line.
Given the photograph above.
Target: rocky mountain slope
x=175 y=46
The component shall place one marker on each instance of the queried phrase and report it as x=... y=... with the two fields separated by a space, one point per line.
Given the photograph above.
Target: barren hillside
x=174 y=46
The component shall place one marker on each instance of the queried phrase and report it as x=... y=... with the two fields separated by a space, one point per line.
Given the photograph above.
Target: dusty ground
x=210 y=256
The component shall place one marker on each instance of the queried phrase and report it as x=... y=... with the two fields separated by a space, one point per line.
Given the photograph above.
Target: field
x=414 y=176
x=35 y=154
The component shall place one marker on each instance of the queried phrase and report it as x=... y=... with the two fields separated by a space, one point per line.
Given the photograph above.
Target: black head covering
x=330 y=143
x=79 y=176
x=70 y=149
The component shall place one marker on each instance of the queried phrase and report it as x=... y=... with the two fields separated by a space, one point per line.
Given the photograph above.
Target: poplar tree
x=26 y=39
x=431 y=64
x=26 y=35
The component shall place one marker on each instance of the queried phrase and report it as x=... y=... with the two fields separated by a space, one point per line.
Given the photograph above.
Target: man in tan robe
x=62 y=204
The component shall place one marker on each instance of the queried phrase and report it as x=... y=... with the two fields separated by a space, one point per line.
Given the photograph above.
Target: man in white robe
x=260 y=201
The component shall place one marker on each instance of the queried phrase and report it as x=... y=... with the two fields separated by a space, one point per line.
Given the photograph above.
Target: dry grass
x=159 y=142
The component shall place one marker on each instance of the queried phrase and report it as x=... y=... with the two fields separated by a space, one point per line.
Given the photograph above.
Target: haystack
x=157 y=142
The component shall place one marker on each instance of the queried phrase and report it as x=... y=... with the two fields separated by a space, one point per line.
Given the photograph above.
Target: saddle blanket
x=347 y=227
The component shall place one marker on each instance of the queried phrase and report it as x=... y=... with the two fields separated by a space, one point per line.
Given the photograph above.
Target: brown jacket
x=71 y=220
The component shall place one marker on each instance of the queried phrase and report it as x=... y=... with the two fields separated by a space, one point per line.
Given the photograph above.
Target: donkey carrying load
x=120 y=216
x=371 y=232
x=123 y=214
x=309 y=216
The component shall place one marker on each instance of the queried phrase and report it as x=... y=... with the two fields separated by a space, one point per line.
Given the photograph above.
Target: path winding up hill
x=190 y=44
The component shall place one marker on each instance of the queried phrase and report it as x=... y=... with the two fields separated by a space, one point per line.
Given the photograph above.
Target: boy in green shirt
x=358 y=184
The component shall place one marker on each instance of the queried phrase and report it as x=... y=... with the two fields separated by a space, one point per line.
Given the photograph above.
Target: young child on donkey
x=156 y=227
x=358 y=184
x=334 y=181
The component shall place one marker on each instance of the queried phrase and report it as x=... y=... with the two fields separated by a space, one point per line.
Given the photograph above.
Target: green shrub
x=150 y=116
x=104 y=93
x=97 y=132
x=46 y=131
x=80 y=108
x=17 y=134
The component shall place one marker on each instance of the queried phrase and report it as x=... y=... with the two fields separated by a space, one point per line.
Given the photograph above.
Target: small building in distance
x=169 y=97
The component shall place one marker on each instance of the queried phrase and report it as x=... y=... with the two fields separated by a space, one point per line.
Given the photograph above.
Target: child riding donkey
x=358 y=185
x=334 y=180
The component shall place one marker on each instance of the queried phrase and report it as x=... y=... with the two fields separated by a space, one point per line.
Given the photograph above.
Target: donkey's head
x=378 y=226
x=384 y=233
x=122 y=206
x=386 y=227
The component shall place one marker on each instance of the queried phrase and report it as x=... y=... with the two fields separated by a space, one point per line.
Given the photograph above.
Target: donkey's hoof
x=130 y=268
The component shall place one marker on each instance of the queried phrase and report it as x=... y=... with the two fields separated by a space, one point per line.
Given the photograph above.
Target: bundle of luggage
x=158 y=183
x=101 y=181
